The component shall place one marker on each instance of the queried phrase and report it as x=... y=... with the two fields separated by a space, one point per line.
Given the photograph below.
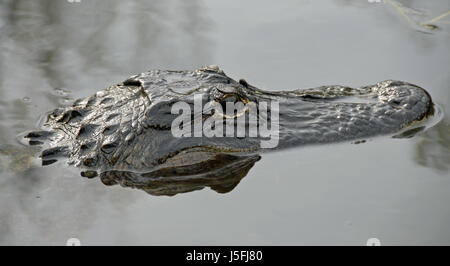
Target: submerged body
x=124 y=132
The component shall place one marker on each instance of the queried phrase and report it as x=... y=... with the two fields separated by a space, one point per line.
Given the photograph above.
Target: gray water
x=396 y=190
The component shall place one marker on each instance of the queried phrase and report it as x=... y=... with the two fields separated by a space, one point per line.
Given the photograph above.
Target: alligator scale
x=124 y=133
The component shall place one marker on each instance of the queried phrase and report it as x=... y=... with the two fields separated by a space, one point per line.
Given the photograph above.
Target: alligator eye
x=234 y=98
x=237 y=108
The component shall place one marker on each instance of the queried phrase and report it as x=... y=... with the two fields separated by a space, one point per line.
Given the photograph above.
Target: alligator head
x=128 y=132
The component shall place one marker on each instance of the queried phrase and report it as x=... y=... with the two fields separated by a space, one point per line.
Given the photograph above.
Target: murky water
x=397 y=190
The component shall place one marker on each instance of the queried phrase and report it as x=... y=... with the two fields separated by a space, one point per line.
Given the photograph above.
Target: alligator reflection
x=220 y=172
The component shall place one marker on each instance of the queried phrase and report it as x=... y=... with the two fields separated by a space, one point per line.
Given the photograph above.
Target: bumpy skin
x=124 y=132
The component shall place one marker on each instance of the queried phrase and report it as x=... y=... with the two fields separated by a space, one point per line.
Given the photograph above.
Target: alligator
x=124 y=133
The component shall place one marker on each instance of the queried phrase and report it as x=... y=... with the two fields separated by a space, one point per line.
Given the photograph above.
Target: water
x=396 y=190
